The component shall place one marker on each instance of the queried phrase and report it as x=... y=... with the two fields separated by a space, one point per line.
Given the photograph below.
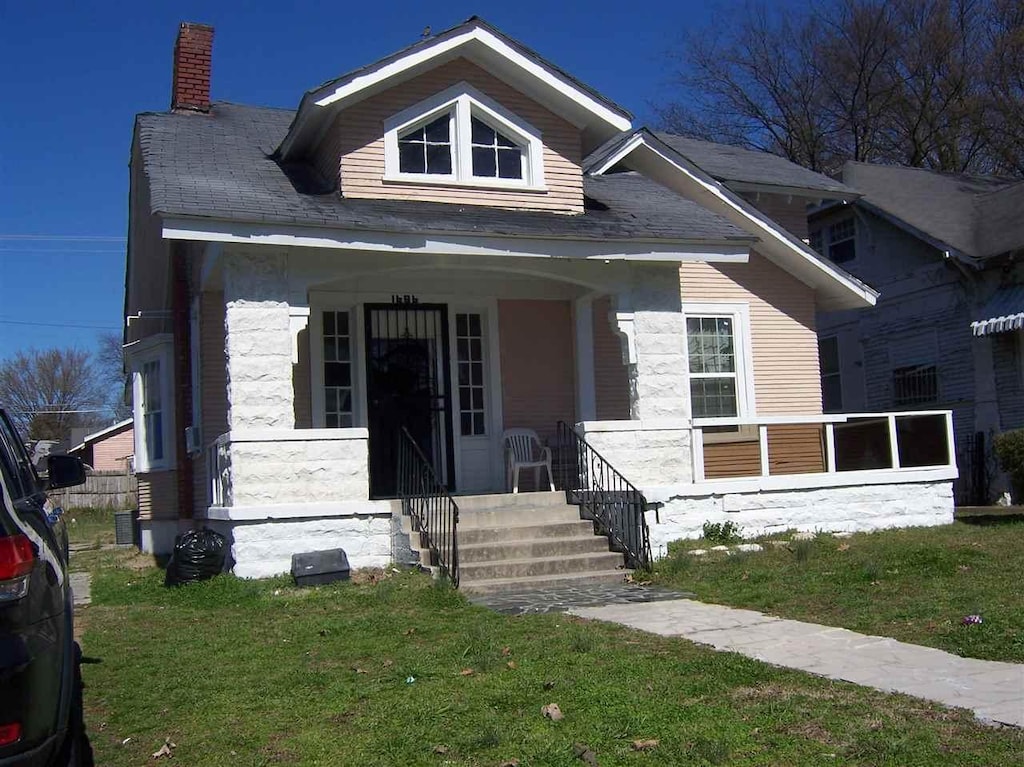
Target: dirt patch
x=276 y=753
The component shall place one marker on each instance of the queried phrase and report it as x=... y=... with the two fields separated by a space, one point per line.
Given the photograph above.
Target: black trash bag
x=198 y=555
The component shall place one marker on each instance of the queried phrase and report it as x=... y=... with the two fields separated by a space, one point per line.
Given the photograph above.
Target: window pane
x=463 y=373
x=478 y=398
x=482 y=132
x=329 y=323
x=337 y=374
x=841 y=252
x=155 y=433
x=503 y=141
x=437 y=132
x=510 y=163
x=411 y=158
x=467 y=423
x=713 y=397
x=484 y=162
x=474 y=325
x=475 y=350
x=439 y=159
x=342 y=318
x=464 y=397
x=478 y=423
x=828 y=354
x=462 y=324
x=330 y=350
x=331 y=421
x=477 y=376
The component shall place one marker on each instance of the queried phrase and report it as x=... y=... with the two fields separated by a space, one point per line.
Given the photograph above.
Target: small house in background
x=110 y=449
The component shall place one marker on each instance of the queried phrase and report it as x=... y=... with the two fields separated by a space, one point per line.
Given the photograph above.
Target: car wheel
x=76 y=750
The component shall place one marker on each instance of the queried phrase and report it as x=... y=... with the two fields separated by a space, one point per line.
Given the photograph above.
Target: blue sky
x=74 y=74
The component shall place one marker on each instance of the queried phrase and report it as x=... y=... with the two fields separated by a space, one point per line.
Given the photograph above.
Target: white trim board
x=211 y=230
x=661 y=163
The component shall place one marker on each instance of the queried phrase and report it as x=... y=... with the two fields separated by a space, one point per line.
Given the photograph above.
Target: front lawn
x=402 y=672
x=916 y=585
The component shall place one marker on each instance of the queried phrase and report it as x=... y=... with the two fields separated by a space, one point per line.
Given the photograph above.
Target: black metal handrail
x=434 y=513
x=604 y=496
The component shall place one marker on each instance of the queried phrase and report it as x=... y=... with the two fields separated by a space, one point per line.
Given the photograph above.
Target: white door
x=472 y=406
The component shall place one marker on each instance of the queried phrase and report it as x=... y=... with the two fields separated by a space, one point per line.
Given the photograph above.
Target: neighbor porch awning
x=1003 y=312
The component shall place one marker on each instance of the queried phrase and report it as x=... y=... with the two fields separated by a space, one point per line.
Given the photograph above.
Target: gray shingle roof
x=728 y=163
x=219 y=166
x=980 y=216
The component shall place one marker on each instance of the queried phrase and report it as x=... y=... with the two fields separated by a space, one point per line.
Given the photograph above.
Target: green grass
x=260 y=673
x=93 y=527
x=915 y=585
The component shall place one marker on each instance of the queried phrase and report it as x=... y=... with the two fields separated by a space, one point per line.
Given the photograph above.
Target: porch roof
x=220 y=166
x=1003 y=312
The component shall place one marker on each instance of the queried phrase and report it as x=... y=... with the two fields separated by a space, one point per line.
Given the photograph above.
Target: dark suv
x=40 y=688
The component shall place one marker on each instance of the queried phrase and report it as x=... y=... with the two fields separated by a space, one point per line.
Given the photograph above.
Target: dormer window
x=427 y=148
x=462 y=138
x=494 y=155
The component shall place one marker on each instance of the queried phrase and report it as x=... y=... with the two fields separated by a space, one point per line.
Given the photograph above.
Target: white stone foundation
x=647 y=452
x=853 y=508
x=263 y=548
x=156 y=536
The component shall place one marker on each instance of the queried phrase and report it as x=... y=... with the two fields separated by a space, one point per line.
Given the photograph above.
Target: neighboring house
x=944 y=251
x=459 y=239
x=110 y=449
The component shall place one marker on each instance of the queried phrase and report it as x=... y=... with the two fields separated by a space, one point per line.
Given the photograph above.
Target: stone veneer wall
x=273 y=466
x=855 y=508
x=263 y=548
x=644 y=452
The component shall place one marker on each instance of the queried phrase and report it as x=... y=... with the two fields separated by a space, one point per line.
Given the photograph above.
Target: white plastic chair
x=523 y=450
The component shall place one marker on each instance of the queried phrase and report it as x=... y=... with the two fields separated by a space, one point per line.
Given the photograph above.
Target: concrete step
x=504 y=585
x=516 y=516
x=556 y=565
x=529 y=549
x=509 y=501
x=511 y=533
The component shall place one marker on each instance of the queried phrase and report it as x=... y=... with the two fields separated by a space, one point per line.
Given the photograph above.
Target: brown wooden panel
x=735 y=459
x=796 y=449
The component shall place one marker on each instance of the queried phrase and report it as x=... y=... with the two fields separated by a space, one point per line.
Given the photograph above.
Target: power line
x=58 y=251
x=61 y=238
x=60 y=325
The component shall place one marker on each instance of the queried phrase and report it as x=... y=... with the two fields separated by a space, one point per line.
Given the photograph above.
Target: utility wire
x=60 y=325
x=61 y=238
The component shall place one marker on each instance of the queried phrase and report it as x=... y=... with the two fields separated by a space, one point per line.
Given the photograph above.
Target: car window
x=17 y=467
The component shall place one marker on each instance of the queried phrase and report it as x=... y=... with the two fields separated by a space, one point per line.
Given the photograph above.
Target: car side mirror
x=64 y=471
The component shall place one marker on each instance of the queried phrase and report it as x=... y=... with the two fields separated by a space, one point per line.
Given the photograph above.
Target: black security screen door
x=408 y=384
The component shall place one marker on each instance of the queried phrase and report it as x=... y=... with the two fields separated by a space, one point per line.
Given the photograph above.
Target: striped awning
x=1003 y=312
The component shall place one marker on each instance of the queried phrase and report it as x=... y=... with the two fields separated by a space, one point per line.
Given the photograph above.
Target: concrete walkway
x=81 y=588
x=993 y=690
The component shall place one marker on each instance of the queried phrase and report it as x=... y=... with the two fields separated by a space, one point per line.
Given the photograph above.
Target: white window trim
x=463 y=102
x=160 y=349
x=740 y=316
x=316 y=360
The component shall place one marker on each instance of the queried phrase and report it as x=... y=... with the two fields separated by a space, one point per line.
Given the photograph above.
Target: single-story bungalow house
x=335 y=313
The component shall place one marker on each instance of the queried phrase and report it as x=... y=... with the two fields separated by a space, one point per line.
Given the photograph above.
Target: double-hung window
x=150 y=363
x=716 y=344
x=462 y=137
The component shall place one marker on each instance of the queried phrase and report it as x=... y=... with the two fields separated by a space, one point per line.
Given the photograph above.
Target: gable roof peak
x=485 y=46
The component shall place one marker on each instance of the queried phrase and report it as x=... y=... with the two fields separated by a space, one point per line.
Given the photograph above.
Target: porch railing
x=434 y=513
x=726 y=448
x=603 y=495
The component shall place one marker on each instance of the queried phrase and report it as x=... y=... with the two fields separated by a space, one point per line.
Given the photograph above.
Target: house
x=109 y=449
x=325 y=303
x=944 y=251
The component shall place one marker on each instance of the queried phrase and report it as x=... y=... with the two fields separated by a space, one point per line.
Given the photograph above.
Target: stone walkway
x=81 y=588
x=562 y=599
x=993 y=690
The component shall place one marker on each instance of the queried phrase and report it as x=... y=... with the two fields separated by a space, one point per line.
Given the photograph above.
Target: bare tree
x=49 y=392
x=112 y=368
x=929 y=83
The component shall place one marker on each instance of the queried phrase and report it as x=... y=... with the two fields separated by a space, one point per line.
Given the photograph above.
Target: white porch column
x=653 y=449
x=586 y=397
x=258 y=341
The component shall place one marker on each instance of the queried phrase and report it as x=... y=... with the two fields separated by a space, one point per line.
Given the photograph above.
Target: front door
x=408 y=385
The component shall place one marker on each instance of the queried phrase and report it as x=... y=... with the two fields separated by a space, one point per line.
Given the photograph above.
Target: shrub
x=722 y=532
x=1009 y=449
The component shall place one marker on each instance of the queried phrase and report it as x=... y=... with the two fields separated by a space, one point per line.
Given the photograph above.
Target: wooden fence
x=102 y=490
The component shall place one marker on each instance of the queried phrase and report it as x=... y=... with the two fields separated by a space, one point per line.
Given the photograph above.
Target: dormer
x=469 y=117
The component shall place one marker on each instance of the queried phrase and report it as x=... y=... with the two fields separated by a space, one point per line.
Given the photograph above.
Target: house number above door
x=404 y=299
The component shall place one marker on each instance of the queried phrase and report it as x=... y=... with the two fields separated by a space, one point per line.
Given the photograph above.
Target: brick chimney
x=191 y=87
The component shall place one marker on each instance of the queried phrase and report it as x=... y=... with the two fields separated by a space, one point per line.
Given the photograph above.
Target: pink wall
x=537 y=364
x=109 y=453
